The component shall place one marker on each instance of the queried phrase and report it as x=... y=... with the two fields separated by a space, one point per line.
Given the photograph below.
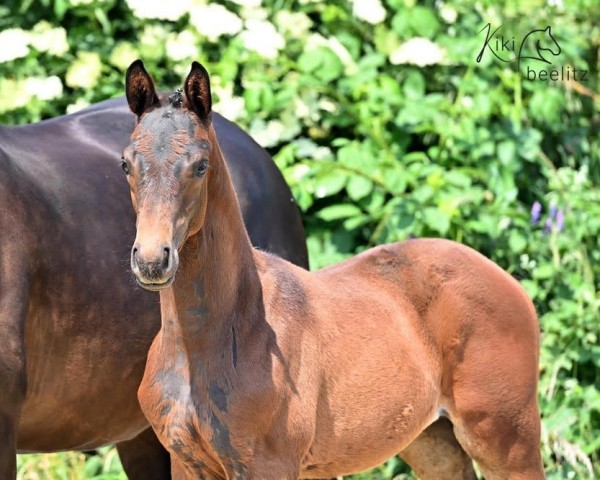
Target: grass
x=104 y=464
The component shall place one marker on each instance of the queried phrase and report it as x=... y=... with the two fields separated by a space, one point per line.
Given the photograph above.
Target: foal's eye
x=125 y=166
x=200 y=168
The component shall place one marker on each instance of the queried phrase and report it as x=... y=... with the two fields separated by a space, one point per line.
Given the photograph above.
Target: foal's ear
x=139 y=89
x=197 y=92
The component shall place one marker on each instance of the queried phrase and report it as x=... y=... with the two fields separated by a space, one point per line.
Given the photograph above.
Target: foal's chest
x=195 y=433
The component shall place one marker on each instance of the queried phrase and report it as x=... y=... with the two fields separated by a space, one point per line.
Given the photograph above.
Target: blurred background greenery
x=386 y=127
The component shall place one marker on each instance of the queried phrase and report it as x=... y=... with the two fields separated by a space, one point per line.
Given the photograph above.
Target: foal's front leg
x=178 y=472
x=271 y=468
x=276 y=457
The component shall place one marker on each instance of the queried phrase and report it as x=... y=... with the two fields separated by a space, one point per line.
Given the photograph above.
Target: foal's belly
x=382 y=391
x=364 y=447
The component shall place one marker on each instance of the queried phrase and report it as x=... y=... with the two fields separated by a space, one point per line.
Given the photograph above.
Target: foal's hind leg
x=504 y=446
x=436 y=454
x=493 y=404
x=144 y=458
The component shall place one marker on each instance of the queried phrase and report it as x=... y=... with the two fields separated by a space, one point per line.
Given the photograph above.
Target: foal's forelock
x=176 y=98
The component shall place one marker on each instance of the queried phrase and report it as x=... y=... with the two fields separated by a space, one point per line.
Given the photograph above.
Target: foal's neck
x=217 y=285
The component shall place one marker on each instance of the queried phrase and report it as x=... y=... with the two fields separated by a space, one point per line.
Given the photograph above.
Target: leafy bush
x=386 y=126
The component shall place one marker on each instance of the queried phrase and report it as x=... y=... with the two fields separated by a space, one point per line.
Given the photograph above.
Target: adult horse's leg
x=144 y=458
x=436 y=454
x=8 y=452
x=13 y=376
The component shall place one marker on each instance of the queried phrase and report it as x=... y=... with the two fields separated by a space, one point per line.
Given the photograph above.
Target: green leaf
x=60 y=8
x=531 y=287
x=394 y=180
x=458 y=179
x=507 y=152
x=322 y=63
x=543 y=271
x=359 y=187
x=102 y=20
x=309 y=61
x=329 y=184
x=436 y=219
x=357 y=221
x=423 y=22
x=423 y=194
x=516 y=241
x=352 y=155
x=396 y=222
x=529 y=143
x=547 y=105
x=414 y=86
x=252 y=99
x=401 y=24
x=337 y=212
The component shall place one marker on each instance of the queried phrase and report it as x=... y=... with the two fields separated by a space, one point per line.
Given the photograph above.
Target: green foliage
x=386 y=127
x=103 y=464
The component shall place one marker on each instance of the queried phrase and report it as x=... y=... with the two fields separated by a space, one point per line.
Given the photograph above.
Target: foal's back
x=402 y=334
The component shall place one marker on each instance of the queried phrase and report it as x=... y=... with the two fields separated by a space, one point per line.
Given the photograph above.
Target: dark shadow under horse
x=75 y=328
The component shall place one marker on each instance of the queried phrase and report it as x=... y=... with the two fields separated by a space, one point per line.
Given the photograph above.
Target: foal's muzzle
x=154 y=266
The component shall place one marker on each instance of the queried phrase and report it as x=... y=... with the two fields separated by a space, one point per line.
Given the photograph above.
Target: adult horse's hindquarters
x=75 y=330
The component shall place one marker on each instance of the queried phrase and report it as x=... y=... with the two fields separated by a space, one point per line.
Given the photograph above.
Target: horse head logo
x=536 y=44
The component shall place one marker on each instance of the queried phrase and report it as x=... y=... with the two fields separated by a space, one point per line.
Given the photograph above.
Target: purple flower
x=536 y=210
x=555 y=221
x=560 y=220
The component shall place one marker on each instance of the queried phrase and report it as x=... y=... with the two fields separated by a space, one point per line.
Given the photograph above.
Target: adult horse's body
x=262 y=370
x=74 y=328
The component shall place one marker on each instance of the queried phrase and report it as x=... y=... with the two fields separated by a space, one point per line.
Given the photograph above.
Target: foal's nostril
x=166 y=257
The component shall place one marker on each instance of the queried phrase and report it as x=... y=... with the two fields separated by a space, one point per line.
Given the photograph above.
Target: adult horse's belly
x=82 y=384
x=89 y=326
x=82 y=392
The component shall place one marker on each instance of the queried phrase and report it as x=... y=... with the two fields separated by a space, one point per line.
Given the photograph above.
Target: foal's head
x=167 y=165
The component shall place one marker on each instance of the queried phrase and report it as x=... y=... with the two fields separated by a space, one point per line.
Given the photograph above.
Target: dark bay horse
x=262 y=370
x=74 y=328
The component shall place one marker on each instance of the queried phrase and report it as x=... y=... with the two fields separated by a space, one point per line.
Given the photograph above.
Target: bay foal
x=263 y=370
